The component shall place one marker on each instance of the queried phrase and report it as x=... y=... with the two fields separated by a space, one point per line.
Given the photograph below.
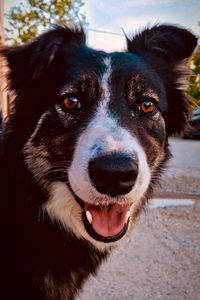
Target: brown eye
x=71 y=103
x=147 y=106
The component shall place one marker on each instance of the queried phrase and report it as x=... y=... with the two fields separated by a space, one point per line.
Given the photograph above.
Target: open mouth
x=105 y=223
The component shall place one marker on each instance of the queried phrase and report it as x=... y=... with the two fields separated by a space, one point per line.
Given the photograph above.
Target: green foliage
x=194 y=89
x=28 y=20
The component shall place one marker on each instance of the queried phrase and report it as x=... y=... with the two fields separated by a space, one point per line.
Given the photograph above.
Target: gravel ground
x=159 y=260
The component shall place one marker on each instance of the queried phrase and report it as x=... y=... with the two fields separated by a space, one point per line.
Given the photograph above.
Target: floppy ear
x=168 y=42
x=165 y=47
x=32 y=82
x=27 y=62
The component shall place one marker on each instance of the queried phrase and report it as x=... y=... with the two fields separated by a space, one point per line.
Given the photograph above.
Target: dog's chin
x=105 y=223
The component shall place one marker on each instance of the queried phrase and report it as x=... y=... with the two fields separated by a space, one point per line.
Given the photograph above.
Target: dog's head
x=93 y=126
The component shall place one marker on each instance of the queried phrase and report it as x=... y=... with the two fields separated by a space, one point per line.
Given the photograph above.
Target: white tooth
x=127 y=215
x=89 y=216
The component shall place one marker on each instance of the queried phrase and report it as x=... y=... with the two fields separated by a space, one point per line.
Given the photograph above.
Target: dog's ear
x=29 y=77
x=166 y=48
x=168 y=42
x=27 y=62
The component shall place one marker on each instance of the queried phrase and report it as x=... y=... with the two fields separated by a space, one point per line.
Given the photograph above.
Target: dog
x=83 y=147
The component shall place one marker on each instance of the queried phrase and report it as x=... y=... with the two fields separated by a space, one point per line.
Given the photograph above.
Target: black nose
x=113 y=174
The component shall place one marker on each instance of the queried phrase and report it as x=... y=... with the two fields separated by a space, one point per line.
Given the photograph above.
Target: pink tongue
x=108 y=220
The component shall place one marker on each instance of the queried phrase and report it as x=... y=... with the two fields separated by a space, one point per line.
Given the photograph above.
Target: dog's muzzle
x=113 y=175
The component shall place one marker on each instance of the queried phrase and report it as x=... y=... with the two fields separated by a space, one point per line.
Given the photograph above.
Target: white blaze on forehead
x=105 y=85
x=104 y=135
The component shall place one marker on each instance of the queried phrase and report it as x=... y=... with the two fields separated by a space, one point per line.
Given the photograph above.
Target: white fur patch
x=63 y=208
x=105 y=85
x=104 y=136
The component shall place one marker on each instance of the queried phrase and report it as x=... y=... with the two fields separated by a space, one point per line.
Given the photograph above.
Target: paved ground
x=183 y=174
x=161 y=257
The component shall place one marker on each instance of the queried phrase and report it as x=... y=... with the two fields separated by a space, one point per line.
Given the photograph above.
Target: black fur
x=38 y=259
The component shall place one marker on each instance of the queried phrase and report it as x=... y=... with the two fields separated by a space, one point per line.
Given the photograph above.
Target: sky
x=131 y=16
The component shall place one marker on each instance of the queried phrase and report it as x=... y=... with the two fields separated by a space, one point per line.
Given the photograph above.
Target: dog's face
x=99 y=145
x=97 y=148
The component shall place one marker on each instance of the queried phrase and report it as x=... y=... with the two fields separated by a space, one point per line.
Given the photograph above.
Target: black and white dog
x=83 y=146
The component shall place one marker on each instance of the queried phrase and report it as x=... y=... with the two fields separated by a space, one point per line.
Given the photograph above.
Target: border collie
x=82 y=148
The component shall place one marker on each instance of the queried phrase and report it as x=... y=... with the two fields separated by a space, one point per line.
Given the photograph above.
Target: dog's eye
x=71 y=103
x=147 y=107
